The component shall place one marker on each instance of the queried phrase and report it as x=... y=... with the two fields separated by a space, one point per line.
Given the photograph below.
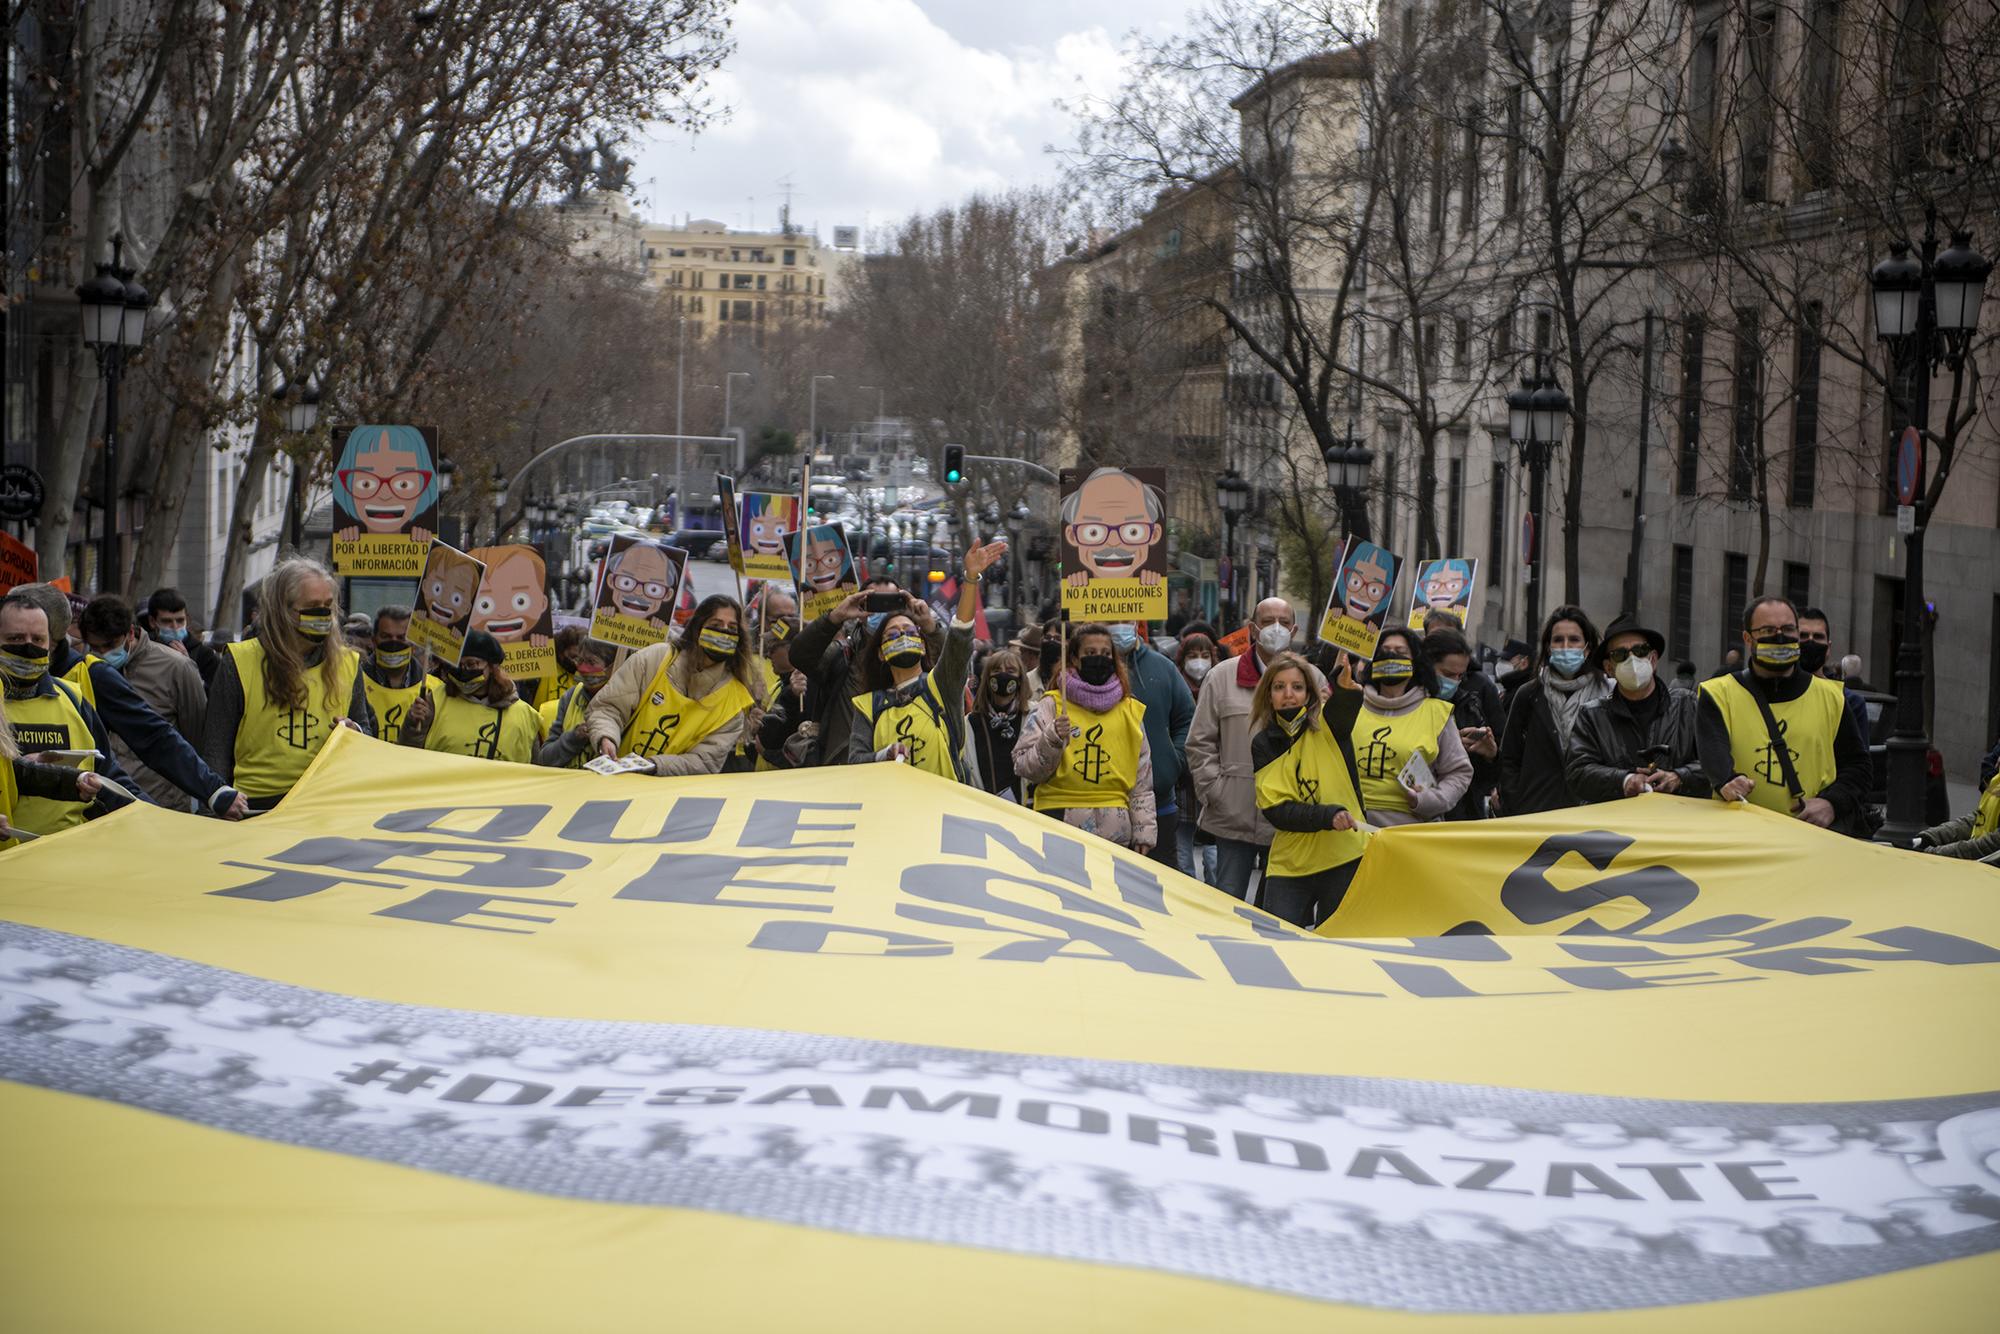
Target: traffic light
x=954 y=465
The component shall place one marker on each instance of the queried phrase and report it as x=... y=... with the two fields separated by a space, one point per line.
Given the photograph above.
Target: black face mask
x=1097 y=668
x=1812 y=656
x=1051 y=655
x=1004 y=686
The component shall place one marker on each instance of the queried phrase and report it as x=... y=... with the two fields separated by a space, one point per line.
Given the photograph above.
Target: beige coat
x=1218 y=757
x=611 y=712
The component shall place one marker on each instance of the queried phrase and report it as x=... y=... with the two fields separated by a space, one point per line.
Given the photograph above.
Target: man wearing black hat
x=1520 y=660
x=1641 y=737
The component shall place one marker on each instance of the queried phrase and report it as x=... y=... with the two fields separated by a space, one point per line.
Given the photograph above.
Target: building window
x=1798 y=584
x=1503 y=336
x=1510 y=176
x=1753 y=121
x=1805 y=409
x=1680 y=622
x=1702 y=95
x=1438 y=178
x=1693 y=335
x=1496 y=521
x=1454 y=504
x=1461 y=344
x=1545 y=331
x=1747 y=400
x=1819 y=93
x=760 y=312
x=760 y=282
x=1735 y=596
x=742 y=311
x=1389 y=489
x=742 y=283
x=791 y=257
x=722 y=311
x=1396 y=346
x=1430 y=332
x=1468 y=172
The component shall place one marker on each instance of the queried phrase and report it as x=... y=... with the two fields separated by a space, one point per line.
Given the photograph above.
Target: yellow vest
x=9 y=795
x=273 y=745
x=1383 y=744
x=921 y=724
x=50 y=722
x=1986 y=818
x=669 y=723
x=559 y=715
x=1807 y=725
x=550 y=689
x=391 y=703
x=464 y=726
x=1311 y=770
x=79 y=676
x=1101 y=763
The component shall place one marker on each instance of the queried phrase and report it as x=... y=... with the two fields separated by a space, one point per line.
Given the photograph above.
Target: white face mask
x=1275 y=637
x=1634 y=674
x=1197 y=667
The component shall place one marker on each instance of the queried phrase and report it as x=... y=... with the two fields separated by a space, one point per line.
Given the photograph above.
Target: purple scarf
x=1098 y=699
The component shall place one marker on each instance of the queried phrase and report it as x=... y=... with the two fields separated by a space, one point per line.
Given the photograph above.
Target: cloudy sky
x=878 y=108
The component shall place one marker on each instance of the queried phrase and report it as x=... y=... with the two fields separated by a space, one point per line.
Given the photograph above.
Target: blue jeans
x=1234 y=863
x=1195 y=859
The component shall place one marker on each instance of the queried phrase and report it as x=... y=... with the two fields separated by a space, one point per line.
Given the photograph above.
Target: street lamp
x=499 y=501
x=812 y=415
x=1537 y=415
x=1926 y=310
x=1347 y=466
x=1017 y=520
x=114 y=308
x=729 y=383
x=300 y=406
x=1232 y=497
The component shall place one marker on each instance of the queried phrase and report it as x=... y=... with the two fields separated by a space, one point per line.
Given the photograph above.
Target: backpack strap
x=1777 y=739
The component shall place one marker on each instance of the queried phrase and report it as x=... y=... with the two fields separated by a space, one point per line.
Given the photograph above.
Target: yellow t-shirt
x=1312 y=770
x=1383 y=744
x=1100 y=765
x=273 y=745
x=472 y=727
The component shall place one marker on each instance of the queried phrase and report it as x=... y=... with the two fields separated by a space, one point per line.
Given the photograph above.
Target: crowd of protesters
x=1250 y=756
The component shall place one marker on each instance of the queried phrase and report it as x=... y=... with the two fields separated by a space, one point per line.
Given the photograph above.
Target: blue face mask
x=1568 y=661
x=1446 y=687
x=173 y=636
x=116 y=658
x=1123 y=637
x=875 y=619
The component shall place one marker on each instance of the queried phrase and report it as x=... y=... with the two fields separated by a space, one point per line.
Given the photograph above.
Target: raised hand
x=978 y=560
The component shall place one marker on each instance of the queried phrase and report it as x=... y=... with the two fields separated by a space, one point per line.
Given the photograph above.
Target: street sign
x=20 y=492
x=1909 y=467
x=1906 y=519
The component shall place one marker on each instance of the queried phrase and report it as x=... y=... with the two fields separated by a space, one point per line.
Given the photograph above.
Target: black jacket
x=1611 y=734
x=1478 y=704
x=1531 y=756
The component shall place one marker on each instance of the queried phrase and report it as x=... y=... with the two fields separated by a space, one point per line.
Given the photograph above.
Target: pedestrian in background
x=1157 y=684
x=1476 y=710
x=1542 y=713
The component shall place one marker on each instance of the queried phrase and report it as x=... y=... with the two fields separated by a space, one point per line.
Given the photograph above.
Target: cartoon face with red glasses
x=386 y=483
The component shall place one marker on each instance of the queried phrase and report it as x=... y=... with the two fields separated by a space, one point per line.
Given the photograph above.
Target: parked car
x=1880 y=708
x=699 y=543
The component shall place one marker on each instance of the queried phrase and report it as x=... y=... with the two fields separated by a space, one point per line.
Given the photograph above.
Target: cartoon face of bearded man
x=449 y=585
x=825 y=559
x=513 y=598
x=639 y=582
x=1113 y=520
x=764 y=534
x=1365 y=585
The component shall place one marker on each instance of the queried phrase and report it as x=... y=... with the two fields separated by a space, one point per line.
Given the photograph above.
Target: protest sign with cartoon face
x=767 y=517
x=385 y=498
x=514 y=607
x=447 y=590
x=1364 y=579
x=732 y=519
x=1114 y=544
x=1443 y=585
x=824 y=573
x=637 y=592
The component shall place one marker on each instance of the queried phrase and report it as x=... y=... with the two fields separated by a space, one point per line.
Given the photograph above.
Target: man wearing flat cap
x=1641 y=737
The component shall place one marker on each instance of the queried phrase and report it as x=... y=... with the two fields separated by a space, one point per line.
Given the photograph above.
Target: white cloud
x=879 y=108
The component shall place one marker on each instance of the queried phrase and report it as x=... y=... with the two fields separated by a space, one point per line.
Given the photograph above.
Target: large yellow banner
x=442 y=1044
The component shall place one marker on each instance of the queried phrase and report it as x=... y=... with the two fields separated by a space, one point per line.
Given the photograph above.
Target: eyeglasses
x=367 y=485
x=1099 y=534
x=826 y=561
x=625 y=583
x=1633 y=651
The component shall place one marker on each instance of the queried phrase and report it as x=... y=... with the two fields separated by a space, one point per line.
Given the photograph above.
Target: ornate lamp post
x=1926 y=310
x=1537 y=416
x=114 y=325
